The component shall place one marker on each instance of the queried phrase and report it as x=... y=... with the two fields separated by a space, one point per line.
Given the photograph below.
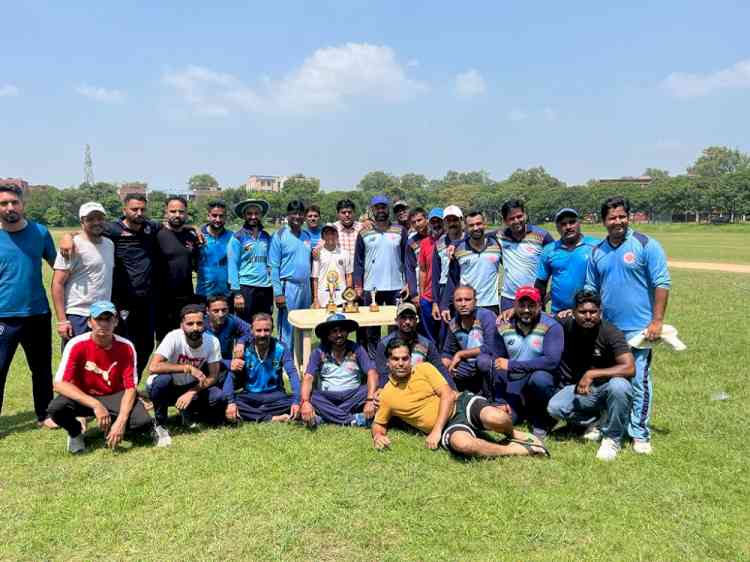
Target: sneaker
x=161 y=436
x=642 y=446
x=593 y=432
x=539 y=433
x=76 y=444
x=608 y=449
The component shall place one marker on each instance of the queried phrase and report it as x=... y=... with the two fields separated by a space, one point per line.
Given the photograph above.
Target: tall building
x=21 y=184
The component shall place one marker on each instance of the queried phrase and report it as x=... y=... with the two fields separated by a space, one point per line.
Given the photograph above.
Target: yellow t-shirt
x=414 y=400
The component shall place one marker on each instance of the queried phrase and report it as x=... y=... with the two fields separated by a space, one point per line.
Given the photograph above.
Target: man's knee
x=541 y=380
x=59 y=405
x=620 y=388
x=157 y=384
x=463 y=443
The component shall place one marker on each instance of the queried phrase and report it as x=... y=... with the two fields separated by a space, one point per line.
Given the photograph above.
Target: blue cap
x=379 y=200
x=436 y=213
x=566 y=212
x=102 y=307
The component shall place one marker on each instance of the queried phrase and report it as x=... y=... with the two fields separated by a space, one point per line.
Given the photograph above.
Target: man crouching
x=420 y=397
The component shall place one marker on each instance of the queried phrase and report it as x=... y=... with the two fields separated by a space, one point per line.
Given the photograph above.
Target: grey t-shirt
x=90 y=277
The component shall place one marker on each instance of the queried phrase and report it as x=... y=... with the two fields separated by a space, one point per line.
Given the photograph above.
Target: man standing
x=97 y=377
x=289 y=256
x=468 y=331
x=453 y=224
x=522 y=245
x=422 y=349
x=629 y=270
x=24 y=310
x=346 y=225
x=476 y=262
x=565 y=261
x=595 y=370
x=401 y=212
x=261 y=395
x=340 y=382
x=247 y=261
x=185 y=369
x=230 y=330
x=528 y=347
x=86 y=277
x=420 y=397
x=213 y=276
x=178 y=258
x=379 y=263
x=430 y=324
x=312 y=224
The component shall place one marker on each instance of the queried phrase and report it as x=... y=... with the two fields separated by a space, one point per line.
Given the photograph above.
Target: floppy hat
x=668 y=335
x=239 y=208
x=335 y=320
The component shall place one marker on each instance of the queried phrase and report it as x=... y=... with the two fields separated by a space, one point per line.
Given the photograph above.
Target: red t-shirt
x=98 y=371
x=426 y=249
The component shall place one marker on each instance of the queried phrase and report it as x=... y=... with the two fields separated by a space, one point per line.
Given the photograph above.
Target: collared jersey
x=339 y=376
x=247 y=259
x=567 y=268
x=479 y=333
x=540 y=349
x=521 y=258
x=626 y=277
x=135 y=251
x=98 y=371
x=315 y=235
x=440 y=266
x=290 y=258
x=266 y=374
x=478 y=269
x=379 y=258
x=213 y=275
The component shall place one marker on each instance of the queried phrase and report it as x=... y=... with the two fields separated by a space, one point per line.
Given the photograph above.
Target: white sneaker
x=642 y=447
x=593 y=432
x=608 y=449
x=76 y=444
x=161 y=436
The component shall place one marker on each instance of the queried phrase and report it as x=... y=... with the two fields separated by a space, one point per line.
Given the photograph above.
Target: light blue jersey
x=478 y=269
x=521 y=258
x=213 y=277
x=289 y=258
x=626 y=277
x=247 y=259
x=379 y=259
x=567 y=268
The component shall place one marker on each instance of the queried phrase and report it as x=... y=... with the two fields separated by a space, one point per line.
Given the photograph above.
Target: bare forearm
x=58 y=297
x=306 y=390
x=167 y=368
x=445 y=409
x=661 y=297
x=126 y=404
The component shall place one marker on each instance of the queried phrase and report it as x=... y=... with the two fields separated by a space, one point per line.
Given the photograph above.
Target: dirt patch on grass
x=711 y=266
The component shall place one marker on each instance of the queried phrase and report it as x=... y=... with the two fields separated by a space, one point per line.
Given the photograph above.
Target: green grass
x=270 y=492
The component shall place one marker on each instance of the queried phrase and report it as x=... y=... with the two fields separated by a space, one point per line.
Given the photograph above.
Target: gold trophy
x=332 y=278
x=350 y=299
x=373 y=304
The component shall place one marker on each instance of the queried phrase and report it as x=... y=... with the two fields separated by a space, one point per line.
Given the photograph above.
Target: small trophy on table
x=350 y=300
x=332 y=279
x=373 y=304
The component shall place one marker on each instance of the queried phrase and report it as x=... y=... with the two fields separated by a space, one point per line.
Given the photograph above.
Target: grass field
x=272 y=492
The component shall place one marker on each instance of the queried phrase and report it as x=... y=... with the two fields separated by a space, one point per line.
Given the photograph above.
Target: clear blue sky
x=337 y=89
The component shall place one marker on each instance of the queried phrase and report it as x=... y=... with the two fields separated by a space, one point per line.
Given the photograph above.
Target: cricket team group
x=474 y=354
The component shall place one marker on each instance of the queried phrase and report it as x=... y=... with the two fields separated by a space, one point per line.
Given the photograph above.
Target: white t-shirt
x=337 y=260
x=175 y=349
x=90 y=278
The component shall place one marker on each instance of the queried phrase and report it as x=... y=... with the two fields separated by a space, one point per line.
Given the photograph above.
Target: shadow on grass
x=17 y=423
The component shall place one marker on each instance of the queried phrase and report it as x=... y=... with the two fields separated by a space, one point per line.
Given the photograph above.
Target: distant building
x=641 y=180
x=205 y=192
x=23 y=185
x=265 y=183
x=132 y=187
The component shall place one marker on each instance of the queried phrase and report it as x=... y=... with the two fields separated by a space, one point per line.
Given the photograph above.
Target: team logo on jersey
x=492 y=258
x=341 y=263
x=529 y=249
x=629 y=257
x=597 y=352
x=536 y=343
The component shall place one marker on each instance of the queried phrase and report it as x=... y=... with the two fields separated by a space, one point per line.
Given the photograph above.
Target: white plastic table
x=304 y=321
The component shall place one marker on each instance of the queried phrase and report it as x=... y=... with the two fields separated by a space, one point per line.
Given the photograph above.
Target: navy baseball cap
x=379 y=200
x=566 y=212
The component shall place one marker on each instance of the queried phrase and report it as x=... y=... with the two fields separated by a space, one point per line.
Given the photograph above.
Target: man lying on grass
x=420 y=397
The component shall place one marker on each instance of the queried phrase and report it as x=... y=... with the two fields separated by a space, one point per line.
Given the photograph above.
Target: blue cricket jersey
x=379 y=259
x=477 y=269
x=329 y=374
x=290 y=258
x=265 y=375
x=213 y=276
x=21 y=255
x=315 y=235
x=521 y=258
x=481 y=332
x=247 y=259
x=626 y=277
x=539 y=350
x=567 y=268
x=233 y=330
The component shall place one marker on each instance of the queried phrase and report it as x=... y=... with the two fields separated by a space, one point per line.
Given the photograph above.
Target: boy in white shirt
x=331 y=258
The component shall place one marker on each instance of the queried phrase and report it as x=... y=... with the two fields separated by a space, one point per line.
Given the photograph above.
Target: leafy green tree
x=716 y=161
x=202 y=181
x=656 y=173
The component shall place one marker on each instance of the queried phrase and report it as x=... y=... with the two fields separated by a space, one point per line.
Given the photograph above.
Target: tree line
x=716 y=187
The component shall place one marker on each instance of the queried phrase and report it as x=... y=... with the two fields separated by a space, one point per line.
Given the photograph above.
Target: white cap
x=452 y=210
x=88 y=208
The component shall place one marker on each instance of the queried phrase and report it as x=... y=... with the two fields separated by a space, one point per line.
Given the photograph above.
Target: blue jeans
x=643 y=392
x=613 y=396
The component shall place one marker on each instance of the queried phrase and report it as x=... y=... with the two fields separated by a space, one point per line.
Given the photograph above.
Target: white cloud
x=687 y=85
x=328 y=79
x=516 y=115
x=8 y=90
x=470 y=84
x=100 y=94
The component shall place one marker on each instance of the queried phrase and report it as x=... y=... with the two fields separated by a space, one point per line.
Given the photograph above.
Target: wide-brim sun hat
x=335 y=320
x=239 y=208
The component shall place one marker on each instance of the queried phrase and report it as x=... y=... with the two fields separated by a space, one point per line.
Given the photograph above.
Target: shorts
x=466 y=418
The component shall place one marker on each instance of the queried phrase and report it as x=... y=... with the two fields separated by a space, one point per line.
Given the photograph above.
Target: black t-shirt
x=589 y=349
x=178 y=256
x=134 y=256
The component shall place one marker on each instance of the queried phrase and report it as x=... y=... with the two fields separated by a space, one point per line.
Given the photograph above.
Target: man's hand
x=501 y=363
x=294 y=411
x=116 y=433
x=307 y=412
x=563 y=314
x=102 y=418
x=449 y=251
x=433 y=440
x=64 y=329
x=198 y=375
x=415 y=300
x=584 y=385
x=199 y=238
x=66 y=247
x=446 y=315
x=454 y=363
x=239 y=303
x=280 y=301
x=231 y=412
x=653 y=332
x=381 y=442
x=316 y=252
x=183 y=402
x=435 y=312
x=370 y=409
x=506 y=315
x=237 y=364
